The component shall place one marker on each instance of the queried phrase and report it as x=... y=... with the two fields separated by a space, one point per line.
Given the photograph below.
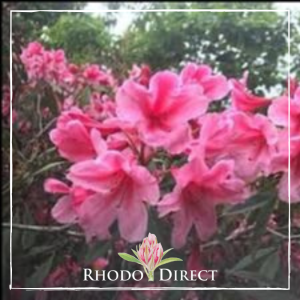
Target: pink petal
x=63 y=211
x=278 y=111
x=53 y=186
x=145 y=184
x=206 y=221
x=177 y=140
x=96 y=215
x=188 y=104
x=93 y=175
x=215 y=87
x=182 y=225
x=193 y=72
x=170 y=202
x=98 y=142
x=133 y=228
x=132 y=102
x=162 y=86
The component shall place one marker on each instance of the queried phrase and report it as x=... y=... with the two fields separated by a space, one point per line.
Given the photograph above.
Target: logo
x=149 y=255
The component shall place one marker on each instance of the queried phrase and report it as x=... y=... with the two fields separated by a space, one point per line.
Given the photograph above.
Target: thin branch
x=50 y=229
x=281 y=235
x=231 y=237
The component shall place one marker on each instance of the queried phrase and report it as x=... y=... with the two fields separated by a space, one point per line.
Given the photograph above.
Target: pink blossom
x=250 y=140
x=24 y=126
x=49 y=65
x=140 y=74
x=33 y=59
x=162 y=112
x=5 y=100
x=75 y=142
x=94 y=76
x=150 y=254
x=279 y=112
x=100 y=263
x=122 y=189
x=215 y=87
x=77 y=136
x=198 y=190
x=242 y=99
x=46 y=112
x=101 y=107
x=66 y=210
x=68 y=103
x=280 y=164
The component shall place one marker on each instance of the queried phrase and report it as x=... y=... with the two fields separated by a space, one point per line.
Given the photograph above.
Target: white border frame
x=289 y=160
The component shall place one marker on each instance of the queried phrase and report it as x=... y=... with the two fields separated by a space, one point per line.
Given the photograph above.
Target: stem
x=151 y=276
x=49 y=229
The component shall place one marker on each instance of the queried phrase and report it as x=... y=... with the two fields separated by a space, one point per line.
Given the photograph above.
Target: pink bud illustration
x=149 y=255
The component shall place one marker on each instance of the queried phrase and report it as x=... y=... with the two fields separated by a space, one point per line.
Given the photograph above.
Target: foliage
x=221 y=39
x=93 y=39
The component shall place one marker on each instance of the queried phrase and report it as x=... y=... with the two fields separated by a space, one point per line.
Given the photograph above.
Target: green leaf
x=95 y=251
x=250 y=259
x=262 y=218
x=37 y=278
x=168 y=260
x=48 y=167
x=255 y=277
x=165 y=252
x=270 y=266
x=274 y=295
x=130 y=258
x=253 y=203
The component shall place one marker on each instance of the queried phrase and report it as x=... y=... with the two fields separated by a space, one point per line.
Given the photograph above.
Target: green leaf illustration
x=129 y=258
x=168 y=260
x=165 y=252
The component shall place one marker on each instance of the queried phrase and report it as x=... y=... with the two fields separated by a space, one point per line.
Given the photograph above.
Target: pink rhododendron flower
x=94 y=75
x=249 y=140
x=66 y=210
x=33 y=59
x=163 y=110
x=68 y=103
x=122 y=189
x=279 y=112
x=5 y=100
x=242 y=99
x=141 y=74
x=198 y=190
x=215 y=87
x=78 y=146
x=100 y=263
x=280 y=164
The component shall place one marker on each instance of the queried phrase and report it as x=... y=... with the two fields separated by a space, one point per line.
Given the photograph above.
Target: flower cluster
x=53 y=67
x=161 y=128
x=6 y=105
